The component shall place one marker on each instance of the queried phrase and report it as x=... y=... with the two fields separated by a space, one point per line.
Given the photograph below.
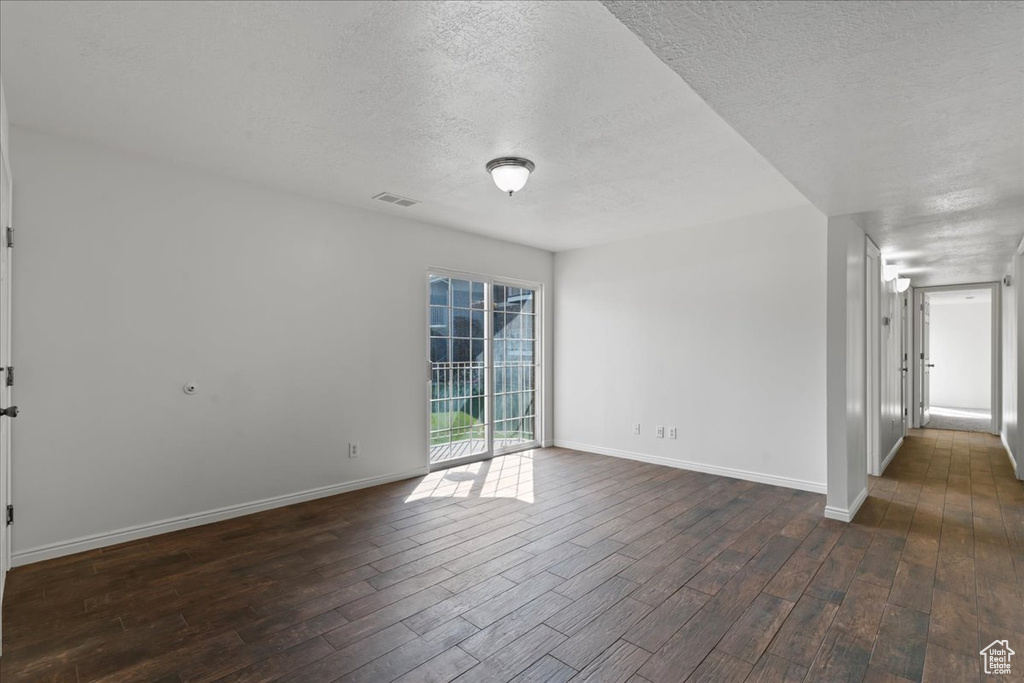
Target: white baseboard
x=1009 y=452
x=77 y=545
x=892 y=454
x=847 y=515
x=747 y=475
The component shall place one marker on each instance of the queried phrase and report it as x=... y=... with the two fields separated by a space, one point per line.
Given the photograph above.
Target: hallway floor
x=552 y=566
x=960 y=419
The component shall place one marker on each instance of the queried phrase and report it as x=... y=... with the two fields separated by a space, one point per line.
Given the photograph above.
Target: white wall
x=846 y=339
x=961 y=349
x=1013 y=368
x=718 y=331
x=301 y=321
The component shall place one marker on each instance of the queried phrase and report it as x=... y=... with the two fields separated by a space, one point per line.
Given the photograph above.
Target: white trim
x=787 y=482
x=892 y=454
x=77 y=545
x=1009 y=453
x=844 y=515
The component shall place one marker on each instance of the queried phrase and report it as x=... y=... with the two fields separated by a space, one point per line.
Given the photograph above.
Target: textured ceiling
x=345 y=100
x=908 y=115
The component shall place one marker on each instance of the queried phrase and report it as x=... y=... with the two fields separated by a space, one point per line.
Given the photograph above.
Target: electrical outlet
x=353 y=449
x=636 y=429
x=673 y=433
x=659 y=431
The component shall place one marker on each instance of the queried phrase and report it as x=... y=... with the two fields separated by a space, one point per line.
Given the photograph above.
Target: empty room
x=526 y=341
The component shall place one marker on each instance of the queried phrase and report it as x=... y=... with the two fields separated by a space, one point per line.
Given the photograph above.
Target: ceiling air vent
x=395 y=199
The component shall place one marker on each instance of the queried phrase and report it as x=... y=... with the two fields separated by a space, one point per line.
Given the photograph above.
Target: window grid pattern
x=458 y=352
x=514 y=325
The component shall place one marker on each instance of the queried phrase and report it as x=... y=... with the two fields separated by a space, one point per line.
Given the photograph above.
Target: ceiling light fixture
x=510 y=173
x=890 y=272
x=902 y=284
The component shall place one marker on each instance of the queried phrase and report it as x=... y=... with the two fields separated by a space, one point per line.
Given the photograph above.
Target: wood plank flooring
x=555 y=566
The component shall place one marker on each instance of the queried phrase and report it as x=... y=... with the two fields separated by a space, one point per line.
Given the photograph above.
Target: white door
x=6 y=252
x=926 y=362
x=904 y=370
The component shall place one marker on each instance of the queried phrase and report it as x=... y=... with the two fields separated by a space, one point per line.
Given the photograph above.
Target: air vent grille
x=395 y=199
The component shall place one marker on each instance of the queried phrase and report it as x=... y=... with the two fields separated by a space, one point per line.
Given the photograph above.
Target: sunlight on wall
x=510 y=476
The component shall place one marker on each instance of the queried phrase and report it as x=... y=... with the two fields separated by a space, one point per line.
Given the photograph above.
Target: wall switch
x=636 y=429
x=659 y=432
x=673 y=433
x=353 y=449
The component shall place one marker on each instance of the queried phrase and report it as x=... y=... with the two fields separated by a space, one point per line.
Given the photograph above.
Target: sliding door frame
x=490 y=282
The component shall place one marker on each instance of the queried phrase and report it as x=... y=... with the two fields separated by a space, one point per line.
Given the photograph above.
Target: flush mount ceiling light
x=902 y=284
x=510 y=173
x=890 y=272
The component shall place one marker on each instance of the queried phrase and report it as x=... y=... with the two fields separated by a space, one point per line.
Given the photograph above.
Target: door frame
x=873 y=350
x=6 y=267
x=538 y=349
x=997 y=348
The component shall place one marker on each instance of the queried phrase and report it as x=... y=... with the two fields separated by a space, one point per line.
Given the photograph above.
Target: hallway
x=947 y=519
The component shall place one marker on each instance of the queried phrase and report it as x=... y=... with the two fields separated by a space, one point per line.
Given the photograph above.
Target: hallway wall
x=891 y=385
x=846 y=344
x=1013 y=368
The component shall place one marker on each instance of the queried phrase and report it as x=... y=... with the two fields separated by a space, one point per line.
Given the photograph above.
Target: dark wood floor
x=555 y=566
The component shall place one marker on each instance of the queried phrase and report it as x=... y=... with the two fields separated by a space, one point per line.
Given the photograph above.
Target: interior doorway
x=958 y=358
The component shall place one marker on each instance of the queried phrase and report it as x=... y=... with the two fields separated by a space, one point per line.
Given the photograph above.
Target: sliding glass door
x=514 y=366
x=483 y=367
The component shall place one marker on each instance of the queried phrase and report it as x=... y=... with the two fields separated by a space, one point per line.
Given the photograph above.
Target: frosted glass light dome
x=902 y=284
x=510 y=173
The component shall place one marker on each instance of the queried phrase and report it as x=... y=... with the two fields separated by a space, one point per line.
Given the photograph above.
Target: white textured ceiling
x=345 y=100
x=908 y=115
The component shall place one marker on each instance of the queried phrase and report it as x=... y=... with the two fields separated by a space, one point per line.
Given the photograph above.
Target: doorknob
x=10 y=411
x=930 y=365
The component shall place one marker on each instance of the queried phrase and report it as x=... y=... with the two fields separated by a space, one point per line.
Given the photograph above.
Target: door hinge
x=10 y=236
x=10 y=515
x=10 y=376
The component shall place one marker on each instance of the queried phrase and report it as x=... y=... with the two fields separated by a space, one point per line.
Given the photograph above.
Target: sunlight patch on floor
x=960 y=412
x=507 y=476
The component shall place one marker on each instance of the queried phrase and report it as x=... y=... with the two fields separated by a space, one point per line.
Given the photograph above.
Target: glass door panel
x=514 y=366
x=459 y=424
